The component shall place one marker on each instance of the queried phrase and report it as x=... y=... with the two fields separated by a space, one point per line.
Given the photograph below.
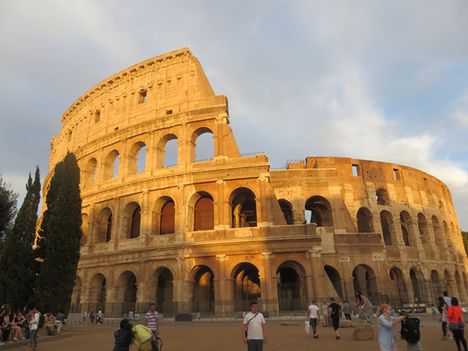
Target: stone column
x=268 y=286
x=221 y=287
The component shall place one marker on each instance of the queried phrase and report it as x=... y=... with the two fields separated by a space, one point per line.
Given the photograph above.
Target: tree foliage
x=58 y=248
x=7 y=206
x=17 y=261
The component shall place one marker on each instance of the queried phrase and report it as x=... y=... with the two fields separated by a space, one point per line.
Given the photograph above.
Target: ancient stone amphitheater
x=206 y=230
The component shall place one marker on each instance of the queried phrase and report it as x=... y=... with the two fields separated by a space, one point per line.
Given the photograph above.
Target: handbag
x=457 y=325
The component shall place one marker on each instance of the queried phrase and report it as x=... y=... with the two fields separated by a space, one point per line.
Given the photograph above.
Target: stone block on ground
x=363 y=332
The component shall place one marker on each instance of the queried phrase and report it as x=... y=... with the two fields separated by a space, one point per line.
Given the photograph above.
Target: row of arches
x=382 y=198
x=135 y=160
x=242 y=202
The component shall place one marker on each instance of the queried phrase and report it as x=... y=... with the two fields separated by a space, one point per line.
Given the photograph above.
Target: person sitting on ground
x=123 y=336
x=17 y=322
x=49 y=323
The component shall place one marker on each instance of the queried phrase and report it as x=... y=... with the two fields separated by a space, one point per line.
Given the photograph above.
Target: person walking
x=313 y=313
x=334 y=310
x=386 y=322
x=347 y=310
x=253 y=329
x=456 y=323
x=443 y=317
x=33 y=327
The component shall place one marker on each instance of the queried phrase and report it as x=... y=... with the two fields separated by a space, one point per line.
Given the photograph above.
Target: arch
x=388 y=230
x=246 y=285
x=203 y=145
x=75 y=305
x=399 y=290
x=382 y=198
x=449 y=283
x=437 y=231
x=167 y=151
x=406 y=228
x=112 y=165
x=286 y=208
x=243 y=208
x=203 y=211
x=132 y=220
x=365 y=282
x=291 y=286
x=419 y=286
x=436 y=285
x=137 y=158
x=203 y=290
x=364 y=221
x=423 y=228
x=84 y=229
x=104 y=226
x=164 y=283
x=167 y=221
x=319 y=211
x=90 y=173
x=97 y=292
x=335 y=279
x=127 y=288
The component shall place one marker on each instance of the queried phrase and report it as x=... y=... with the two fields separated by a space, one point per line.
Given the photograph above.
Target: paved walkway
x=226 y=336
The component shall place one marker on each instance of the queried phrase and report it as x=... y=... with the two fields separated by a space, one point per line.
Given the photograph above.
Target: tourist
x=334 y=310
x=151 y=321
x=17 y=324
x=143 y=338
x=324 y=314
x=33 y=327
x=100 y=317
x=447 y=298
x=123 y=336
x=411 y=334
x=313 y=313
x=386 y=322
x=456 y=323
x=441 y=306
x=91 y=316
x=347 y=310
x=365 y=308
x=253 y=329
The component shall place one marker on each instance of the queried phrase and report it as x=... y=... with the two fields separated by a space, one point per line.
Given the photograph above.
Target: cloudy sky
x=381 y=80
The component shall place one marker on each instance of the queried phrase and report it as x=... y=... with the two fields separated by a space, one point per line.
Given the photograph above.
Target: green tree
x=7 y=206
x=17 y=261
x=58 y=248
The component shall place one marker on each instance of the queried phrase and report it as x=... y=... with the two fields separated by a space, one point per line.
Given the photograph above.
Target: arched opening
x=164 y=291
x=104 y=226
x=203 y=291
x=286 y=208
x=203 y=145
x=203 y=211
x=75 y=306
x=335 y=279
x=246 y=286
x=90 y=172
x=406 y=228
x=112 y=165
x=167 y=222
x=127 y=288
x=243 y=208
x=449 y=284
x=436 y=285
x=399 y=292
x=419 y=286
x=423 y=229
x=291 y=286
x=132 y=220
x=437 y=231
x=137 y=158
x=318 y=211
x=386 y=220
x=364 y=220
x=167 y=152
x=97 y=293
x=365 y=282
x=381 y=195
x=84 y=229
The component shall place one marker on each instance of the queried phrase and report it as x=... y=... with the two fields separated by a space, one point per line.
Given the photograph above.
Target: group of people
x=451 y=316
x=145 y=336
x=19 y=325
x=94 y=317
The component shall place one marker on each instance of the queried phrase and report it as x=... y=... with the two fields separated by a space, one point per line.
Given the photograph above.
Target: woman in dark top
x=335 y=312
x=123 y=336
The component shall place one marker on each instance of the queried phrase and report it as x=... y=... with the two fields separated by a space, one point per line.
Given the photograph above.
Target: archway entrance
x=399 y=292
x=365 y=282
x=164 y=291
x=246 y=286
x=97 y=293
x=291 y=286
x=127 y=292
x=419 y=286
x=335 y=279
x=203 y=291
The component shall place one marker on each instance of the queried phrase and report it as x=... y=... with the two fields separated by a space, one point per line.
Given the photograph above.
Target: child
x=123 y=336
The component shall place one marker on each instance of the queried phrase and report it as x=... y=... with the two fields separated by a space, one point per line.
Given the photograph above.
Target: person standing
x=456 y=323
x=151 y=321
x=347 y=310
x=313 y=313
x=386 y=322
x=253 y=329
x=334 y=311
x=34 y=327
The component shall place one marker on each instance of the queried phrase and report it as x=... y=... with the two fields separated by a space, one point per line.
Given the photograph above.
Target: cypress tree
x=17 y=262
x=58 y=248
x=7 y=206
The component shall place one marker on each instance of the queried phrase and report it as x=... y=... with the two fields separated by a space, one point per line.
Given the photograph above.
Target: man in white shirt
x=253 y=329
x=313 y=313
x=33 y=327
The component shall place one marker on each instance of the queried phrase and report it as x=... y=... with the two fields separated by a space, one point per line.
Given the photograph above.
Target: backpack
x=410 y=330
x=41 y=321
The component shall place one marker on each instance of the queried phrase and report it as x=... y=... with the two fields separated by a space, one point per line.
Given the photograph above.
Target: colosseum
x=206 y=232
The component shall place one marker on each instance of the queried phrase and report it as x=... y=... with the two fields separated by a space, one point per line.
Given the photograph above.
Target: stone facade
x=207 y=236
